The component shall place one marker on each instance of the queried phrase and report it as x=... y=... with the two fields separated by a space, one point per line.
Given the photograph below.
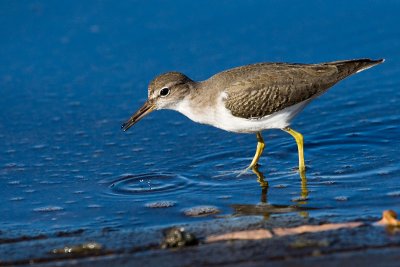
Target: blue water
x=71 y=72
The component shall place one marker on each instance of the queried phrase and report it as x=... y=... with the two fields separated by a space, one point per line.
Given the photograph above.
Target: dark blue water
x=71 y=72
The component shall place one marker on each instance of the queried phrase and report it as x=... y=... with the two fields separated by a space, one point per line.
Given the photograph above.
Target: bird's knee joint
x=300 y=138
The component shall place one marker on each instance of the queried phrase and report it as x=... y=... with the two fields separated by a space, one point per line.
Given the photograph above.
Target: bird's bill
x=143 y=111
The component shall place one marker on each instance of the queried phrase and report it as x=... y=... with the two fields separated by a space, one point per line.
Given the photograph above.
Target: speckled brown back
x=257 y=90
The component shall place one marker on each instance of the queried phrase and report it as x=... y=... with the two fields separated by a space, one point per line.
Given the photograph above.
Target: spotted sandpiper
x=249 y=99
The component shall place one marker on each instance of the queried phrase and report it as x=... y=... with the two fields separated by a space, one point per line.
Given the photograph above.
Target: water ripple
x=139 y=185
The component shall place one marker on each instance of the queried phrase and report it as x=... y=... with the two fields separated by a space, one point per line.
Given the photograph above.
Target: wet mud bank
x=241 y=241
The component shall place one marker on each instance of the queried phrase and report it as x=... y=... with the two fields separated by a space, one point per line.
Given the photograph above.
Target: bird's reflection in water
x=265 y=209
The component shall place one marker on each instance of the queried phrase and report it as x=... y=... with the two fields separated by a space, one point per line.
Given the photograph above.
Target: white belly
x=222 y=118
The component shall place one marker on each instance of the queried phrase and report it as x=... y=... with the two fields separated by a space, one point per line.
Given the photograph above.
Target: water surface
x=72 y=72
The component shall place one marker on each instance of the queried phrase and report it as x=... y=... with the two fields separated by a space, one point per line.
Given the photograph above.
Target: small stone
x=224 y=197
x=394 y=194
x=389 y=218
x=201 y=211
x=177 y=237
x=160 y=204
x=82 y=249
x=299 y=199
x=48 y=209
x=341 y=198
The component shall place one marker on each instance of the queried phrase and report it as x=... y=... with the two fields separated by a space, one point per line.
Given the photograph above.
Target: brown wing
x=258 y=90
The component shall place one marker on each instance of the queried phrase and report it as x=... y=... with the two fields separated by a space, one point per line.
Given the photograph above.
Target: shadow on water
x=265 y=209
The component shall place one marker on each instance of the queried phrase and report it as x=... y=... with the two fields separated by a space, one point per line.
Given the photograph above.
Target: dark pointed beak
x=148 y=107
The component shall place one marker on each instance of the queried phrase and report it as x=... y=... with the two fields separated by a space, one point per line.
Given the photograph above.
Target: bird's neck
x=198 y=105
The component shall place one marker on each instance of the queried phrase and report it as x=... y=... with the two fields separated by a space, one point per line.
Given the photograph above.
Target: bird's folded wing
x=277 y=86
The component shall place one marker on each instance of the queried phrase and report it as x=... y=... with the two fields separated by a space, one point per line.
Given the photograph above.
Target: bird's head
x=164 y=92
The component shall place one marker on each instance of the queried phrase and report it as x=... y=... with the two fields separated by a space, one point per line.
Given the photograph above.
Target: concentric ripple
x=139 y=184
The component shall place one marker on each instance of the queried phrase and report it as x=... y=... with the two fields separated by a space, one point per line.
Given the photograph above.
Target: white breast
x=220 y=117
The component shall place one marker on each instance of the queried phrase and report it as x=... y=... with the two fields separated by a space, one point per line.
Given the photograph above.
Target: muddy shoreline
x=304 y=241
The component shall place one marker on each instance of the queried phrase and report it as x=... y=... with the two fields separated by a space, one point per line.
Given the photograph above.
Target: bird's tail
x=349 y=67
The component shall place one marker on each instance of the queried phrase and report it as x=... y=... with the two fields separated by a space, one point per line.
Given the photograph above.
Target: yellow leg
x=300 y=143
x=259 y=151
x=302 y=167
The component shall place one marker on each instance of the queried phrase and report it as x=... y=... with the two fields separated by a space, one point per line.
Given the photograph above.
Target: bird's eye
x=164 y=92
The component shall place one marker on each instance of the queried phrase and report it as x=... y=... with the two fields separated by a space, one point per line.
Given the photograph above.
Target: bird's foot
x=236 y=173
x=242 y=172
x=250 y=167
x=227 y=173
